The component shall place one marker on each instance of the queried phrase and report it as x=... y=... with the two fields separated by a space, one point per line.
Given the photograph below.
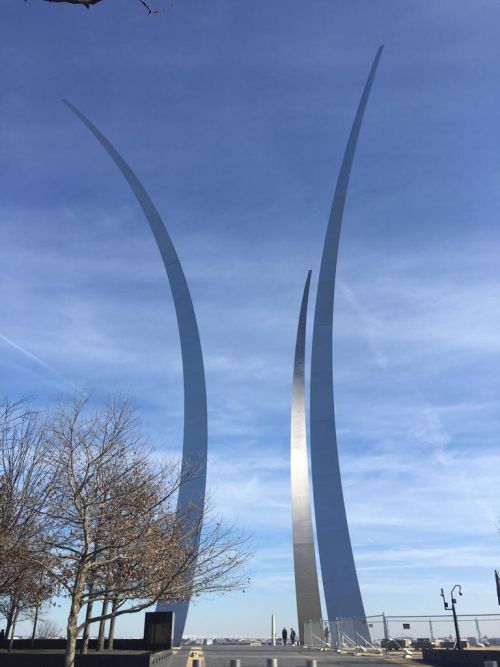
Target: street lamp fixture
x=454 y=611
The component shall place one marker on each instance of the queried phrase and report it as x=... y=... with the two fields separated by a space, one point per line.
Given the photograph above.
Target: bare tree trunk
x=35 y=623
x=111 y=635
x=12 y=630
x=9 y=619
x=102 y=625
x=8 y=627
x=72 y=627
x=69 y=658
x=86 y=629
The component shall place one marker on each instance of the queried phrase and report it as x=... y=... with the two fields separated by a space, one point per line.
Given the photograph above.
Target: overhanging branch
x=88 y=3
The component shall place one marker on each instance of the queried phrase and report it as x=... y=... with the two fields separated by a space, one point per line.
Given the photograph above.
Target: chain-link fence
x=389 y=633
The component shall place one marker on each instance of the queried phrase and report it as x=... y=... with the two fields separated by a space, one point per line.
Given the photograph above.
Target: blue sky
x=235 y=116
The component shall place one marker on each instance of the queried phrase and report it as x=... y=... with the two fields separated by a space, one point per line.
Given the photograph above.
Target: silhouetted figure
x=292 y=636
x=2 y=635
x=284 y=635
x=327 y=633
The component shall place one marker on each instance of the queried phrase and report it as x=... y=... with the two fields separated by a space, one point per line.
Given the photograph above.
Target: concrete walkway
x=287 y=656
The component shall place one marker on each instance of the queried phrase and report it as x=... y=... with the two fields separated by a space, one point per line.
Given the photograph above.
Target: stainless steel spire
x=304 y=559
x=340 y=581
x=191 y=499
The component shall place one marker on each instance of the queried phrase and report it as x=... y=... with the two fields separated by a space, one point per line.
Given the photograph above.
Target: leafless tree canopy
x=23 y=473
x=88 y=510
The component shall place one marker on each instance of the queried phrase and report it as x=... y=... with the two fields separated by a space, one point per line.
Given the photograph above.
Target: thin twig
x=146 y=4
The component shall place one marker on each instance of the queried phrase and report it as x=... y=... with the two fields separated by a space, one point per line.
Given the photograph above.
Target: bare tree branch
x=88 y=3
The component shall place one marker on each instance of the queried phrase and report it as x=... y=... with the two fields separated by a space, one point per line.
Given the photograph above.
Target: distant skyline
x=235 y=116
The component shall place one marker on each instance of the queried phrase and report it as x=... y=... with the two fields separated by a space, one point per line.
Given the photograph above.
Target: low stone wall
x=465 y=658
x=60 y=644
x=55 y=658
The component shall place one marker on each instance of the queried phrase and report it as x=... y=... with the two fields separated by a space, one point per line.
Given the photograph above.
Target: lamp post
x=455 y=619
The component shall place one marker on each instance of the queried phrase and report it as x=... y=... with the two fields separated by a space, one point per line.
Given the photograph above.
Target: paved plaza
x=256 y=656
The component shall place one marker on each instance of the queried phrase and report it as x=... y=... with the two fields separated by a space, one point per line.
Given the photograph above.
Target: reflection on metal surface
x=191 y=497
x=340 y=581
x=304 y=559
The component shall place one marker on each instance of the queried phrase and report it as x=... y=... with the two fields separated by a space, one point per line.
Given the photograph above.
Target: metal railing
x=382 y=632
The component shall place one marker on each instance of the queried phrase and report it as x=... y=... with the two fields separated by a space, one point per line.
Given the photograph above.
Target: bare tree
x=113 y=536
x=14 y=608
x=27 y=595
x=48 y=629
x=87 y=510
x=24 y=475
x=22 y=485
x=42 y=590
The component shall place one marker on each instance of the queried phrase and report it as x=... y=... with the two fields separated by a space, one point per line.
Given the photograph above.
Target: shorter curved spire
x=304 y=559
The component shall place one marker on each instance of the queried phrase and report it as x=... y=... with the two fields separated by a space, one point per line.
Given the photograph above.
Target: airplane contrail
x=30 y=355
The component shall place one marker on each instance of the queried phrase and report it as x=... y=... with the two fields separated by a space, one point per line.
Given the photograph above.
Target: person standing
x=292 y=636
x=284 y=635
x=327 y=633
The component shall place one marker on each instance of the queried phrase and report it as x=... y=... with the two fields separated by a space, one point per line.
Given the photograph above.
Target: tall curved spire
x=340 y=581
x=191 y=497
x=304 y=559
